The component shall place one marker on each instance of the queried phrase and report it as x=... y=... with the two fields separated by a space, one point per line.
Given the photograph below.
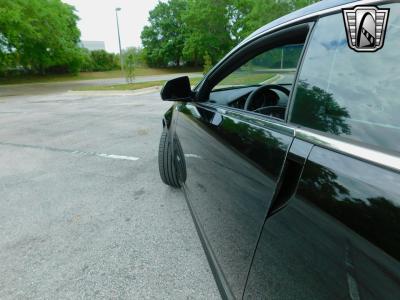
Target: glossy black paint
x=177 y=89
x=339 y=238
x=283 y=218
x=167 y=120
x=233 y=163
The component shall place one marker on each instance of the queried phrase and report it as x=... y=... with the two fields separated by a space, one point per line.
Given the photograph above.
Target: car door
x=234 y=157
x=339 y=236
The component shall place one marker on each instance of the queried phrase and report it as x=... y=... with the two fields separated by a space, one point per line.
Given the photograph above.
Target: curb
x=143 y=91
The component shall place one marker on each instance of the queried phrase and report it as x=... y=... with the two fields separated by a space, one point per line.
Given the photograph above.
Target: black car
x=288 y=152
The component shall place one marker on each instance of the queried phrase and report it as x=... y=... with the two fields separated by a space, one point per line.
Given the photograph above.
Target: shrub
x=102 y=60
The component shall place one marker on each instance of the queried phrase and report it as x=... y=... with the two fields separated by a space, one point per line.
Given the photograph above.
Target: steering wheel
x=258 y=91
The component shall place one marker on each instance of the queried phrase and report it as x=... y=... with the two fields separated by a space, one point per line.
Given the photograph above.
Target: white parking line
x=113 y=156
x=192 y=155
x=76 y=152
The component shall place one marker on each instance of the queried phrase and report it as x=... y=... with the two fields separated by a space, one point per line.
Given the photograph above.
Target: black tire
x=166 y=162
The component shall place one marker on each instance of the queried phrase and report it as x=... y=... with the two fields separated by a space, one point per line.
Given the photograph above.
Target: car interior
x=266 y=99
x=260 y=77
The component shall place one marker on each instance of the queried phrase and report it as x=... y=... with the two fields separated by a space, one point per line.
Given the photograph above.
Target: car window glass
x=277 y=65
x=262 y=84
x=349 y=93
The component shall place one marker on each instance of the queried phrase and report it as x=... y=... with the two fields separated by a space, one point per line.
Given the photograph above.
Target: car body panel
x=337 y=236
x=167 y=120
x=233 y=163
x=341 y=232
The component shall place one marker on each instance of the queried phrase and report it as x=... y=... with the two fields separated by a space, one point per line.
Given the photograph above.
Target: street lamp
x=119 y=39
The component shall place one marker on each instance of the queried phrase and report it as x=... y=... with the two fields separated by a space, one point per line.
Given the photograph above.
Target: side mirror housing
x=177 y=89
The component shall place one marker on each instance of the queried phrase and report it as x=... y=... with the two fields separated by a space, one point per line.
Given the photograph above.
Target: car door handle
x=290 y=175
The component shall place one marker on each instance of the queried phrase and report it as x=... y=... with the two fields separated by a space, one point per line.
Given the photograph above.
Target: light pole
x=119 y=39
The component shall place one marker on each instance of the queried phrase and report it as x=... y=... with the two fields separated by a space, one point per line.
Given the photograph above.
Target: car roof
x=308 y=10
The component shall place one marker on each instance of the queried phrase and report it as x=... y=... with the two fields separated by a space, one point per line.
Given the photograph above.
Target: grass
x=244 y=78
x=92 y=75
x=130 y=86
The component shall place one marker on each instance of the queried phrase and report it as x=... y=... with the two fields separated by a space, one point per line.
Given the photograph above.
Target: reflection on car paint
x=231 y=187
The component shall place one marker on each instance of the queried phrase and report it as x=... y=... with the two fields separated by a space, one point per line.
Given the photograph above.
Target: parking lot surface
x=83 y=213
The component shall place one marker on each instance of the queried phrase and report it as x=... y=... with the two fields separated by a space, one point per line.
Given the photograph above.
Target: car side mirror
x=177 y=89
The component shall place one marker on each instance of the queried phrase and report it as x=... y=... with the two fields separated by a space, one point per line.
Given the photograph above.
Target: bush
x=102 y=60
x=117 y=61
x=86 y=61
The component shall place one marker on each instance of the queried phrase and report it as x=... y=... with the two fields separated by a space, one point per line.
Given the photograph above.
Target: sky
x=98 y=22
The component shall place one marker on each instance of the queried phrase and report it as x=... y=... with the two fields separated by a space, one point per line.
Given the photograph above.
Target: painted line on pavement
x=113 y=156
x=76 y=152
x=190 y=155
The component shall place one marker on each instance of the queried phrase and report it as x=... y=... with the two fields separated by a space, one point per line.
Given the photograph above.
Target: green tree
x=40 y=35
x=262 y=12
x=131 y=56
x=207 y=30
x=164 y=38
x=190 y=28
x=137 y=53
x=237 y=12
x=86 y=61
x=129 y=67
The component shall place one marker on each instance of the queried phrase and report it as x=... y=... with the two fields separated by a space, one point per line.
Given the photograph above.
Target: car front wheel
x=166 y=162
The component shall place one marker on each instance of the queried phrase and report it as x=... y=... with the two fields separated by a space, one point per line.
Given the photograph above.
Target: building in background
x=93 y=45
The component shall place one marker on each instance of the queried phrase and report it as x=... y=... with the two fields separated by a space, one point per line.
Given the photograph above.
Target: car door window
x=277 y=65
x=347 y=93
x=264 y=80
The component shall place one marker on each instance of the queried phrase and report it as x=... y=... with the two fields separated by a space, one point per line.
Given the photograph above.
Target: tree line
x=195 y=32
x=41 y=37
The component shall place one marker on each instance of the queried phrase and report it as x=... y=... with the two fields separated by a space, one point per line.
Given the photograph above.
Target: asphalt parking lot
x=83 y=211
